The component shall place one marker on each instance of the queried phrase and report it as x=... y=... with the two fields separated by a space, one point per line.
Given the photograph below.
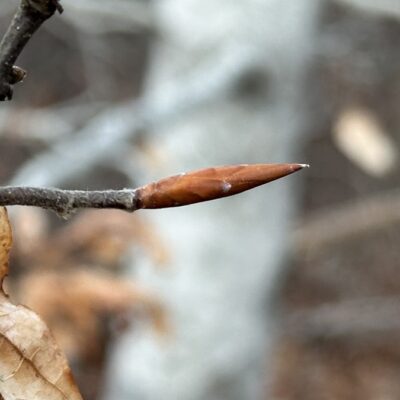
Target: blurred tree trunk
x=227 y=255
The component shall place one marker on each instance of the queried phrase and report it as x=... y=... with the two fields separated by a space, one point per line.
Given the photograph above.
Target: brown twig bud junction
x=209 y=184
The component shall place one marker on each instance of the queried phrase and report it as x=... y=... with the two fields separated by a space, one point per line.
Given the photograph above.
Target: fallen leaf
x=31 y=364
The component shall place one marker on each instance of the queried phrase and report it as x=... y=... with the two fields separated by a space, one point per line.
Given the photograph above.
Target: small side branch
x=64 y=202
x=29 y=16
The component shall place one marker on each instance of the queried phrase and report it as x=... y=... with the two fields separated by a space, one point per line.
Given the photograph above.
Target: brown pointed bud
x=209 y=184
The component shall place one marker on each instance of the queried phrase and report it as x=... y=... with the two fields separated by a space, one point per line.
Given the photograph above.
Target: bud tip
x=297 y=167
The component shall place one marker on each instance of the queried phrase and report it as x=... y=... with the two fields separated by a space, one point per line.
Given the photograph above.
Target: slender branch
x=29 y=16
x=64 y=202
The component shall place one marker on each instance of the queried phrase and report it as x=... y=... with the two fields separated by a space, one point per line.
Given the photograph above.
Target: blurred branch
x=348 y=220
x=28 y=18
x=105 y=135
x=366 y=316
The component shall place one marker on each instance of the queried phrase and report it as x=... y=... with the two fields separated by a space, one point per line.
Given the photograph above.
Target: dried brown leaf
x=31 y=364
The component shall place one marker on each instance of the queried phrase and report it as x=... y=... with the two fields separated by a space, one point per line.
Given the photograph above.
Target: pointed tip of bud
x=297 y=167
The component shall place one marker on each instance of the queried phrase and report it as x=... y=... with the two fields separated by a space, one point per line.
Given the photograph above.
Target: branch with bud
x=179 y=190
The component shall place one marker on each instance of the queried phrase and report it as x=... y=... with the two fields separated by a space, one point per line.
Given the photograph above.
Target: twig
x=64 y=202
x=29 y=16
x=179 y=190
x=367 y=316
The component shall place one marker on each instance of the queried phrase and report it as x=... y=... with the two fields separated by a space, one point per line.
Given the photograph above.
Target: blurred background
x=290 y=291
